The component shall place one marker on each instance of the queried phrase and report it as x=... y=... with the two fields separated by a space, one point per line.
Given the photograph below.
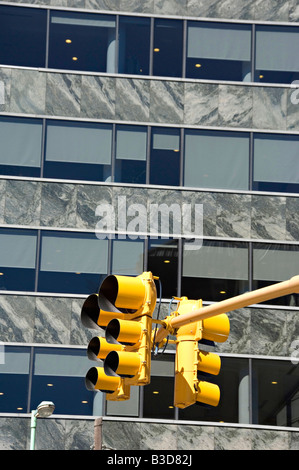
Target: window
x=20 y=146
x=17 y=259
x=23 y=36
x=168 y=48
x=275 y=263
x=134 y=45
x=218 y=51
x=59 y=375
x=276 y=163
x=216 y=271
x=14 y=379
x=233 y=407
x=127 y=257
x=162 y=261
x=276 y=392
x=226 y=151
x=131 y=145
x=165 y=157
x=82 y=42
x=78 y=151
x=72 y=263
x=276 y=58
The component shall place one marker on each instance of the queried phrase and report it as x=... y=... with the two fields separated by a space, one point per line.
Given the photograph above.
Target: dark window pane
x=158 y=398
x=276 y=163
x=163 y=262
x=20 y=146
x=216 y=271
x=276 y=393
x=78 y=151
x=134 y=45
x=275 y=263
x=59 y=375
x=218 y=51
x=165 y=157
x=23 y=36
x=82 y=42
x=276 y=58
x=14 y=379
x=130 y=165
x=168 y=42
x=17 y=259
x=72 y=263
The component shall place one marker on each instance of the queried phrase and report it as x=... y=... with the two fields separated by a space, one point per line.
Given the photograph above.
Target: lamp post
x=44 y=409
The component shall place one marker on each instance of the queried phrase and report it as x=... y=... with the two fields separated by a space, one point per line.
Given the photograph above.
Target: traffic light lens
x=126 y=293
x=97 y=380
x=124 y=331
x=90 y=312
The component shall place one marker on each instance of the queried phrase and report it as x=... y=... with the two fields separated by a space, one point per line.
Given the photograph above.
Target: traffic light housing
x=123 y=308
x=190 y=361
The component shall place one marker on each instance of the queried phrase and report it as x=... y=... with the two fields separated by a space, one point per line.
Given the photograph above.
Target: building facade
x=129 y=106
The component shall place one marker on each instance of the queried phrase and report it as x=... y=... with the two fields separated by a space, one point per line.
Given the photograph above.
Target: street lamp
x=44 y=409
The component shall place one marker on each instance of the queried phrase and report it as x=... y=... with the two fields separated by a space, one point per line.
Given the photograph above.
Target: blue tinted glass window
x=23 y=36
x=77 y=150
x=215 y=271
x=134 y=45
x=276 y=163
x=17 y=259
x=127 y=255
x=162 y=261
x=82 y=42
x=165 y=157
x=72 y=262
x=218 y=51
x=168 y=48
x=20 y=146
x=14 y=379
x=131 y=149
x=59 y=376
x=276 y=59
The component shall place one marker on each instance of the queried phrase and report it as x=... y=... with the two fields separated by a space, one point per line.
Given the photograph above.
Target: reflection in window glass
x=23 y=36
x=17 y=259
x=216 y=271
x=162 y=261
x=127 y=257
x=165 y=157
x=218 y=51
x=168 y=47
x=14 y=379
x=20 y=146
x=82 y=42
x=276 y=163
x=59 y=375
x=275 y=263
x=72 y=263
x=276 y=392
x=233 y=407
x=78 y=150
x=134 y=45
x=226 y=151
x=276 y=54
x=130 y=165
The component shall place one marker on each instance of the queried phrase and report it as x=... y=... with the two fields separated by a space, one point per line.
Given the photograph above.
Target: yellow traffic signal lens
x=209 y=363
x=216 y=328
x=122 y=363
x=123 y=291
x=92 y=316
x=124 y=331
x=208 y=393
x=96 y=379
x=99 y=348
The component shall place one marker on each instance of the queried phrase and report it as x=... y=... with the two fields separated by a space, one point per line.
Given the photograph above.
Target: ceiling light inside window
x=156 y=49
x=68 y=41
x=197 y=66
x=74 y=58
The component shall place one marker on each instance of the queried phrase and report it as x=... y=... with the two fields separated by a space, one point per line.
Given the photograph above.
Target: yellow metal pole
x=260 y=295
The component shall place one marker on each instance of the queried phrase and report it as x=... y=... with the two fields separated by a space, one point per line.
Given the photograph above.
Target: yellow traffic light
x=123 y=307
x=190 y=360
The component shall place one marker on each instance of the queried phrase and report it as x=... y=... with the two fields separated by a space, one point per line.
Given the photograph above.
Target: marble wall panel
x=5 y=89
x=23 y=201
x=132 y=98
x=269 y=108
x=269 y=10
x=63 y=95
x=58 y=205
x=292 y=220
x=201 y=104
x=17 y=317
x=28 y=92
x=166 y=101
x=2 y=200
x=98 y=97
x=53 y=320
x=13 y=433
x=235 y=106
x=268 y=217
